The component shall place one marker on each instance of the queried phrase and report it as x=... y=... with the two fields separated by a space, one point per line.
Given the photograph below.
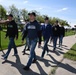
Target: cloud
x=63 y=9
x=40 y=8
x=26 y=1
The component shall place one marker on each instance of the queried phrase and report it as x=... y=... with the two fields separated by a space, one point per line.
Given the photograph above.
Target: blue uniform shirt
x=46 y=31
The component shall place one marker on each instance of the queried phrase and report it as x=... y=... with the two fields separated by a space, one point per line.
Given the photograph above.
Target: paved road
x=14 y=64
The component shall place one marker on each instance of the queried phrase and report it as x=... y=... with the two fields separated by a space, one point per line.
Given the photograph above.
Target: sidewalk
x=14 y=64
x=67 y=67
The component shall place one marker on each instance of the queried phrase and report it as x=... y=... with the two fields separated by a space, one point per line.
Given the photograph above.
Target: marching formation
x=33 y=32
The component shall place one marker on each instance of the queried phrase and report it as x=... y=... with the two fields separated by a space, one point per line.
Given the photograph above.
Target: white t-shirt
x=45 y=25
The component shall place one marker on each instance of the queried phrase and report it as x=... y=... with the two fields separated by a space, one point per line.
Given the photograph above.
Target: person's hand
x=4 y=21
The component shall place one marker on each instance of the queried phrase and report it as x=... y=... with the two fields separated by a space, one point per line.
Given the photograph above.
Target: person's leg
x=34 y=59
x=45 y=47
x=24 y=47
x=14 y=46
x=9 y=48
x=40 y=41
x=61 y=40
x=26 y=43
x=32 y=52
x=54 y=43
x=28 y=46
x=51 y=39
x=39 y=44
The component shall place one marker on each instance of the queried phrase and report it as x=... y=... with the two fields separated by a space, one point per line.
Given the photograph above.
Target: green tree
x=2 y=12
x=40 y=18
x=24 y=14
x=14 y=11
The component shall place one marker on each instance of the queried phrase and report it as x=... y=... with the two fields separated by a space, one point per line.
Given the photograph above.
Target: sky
x=63 y=9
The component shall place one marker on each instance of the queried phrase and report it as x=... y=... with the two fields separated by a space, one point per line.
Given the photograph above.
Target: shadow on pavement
x=68 y=67
x=2 y=51
x=54 y=60
x=59 y=48
x=45 y=61
x=20 y=66
x=42 y=72
x=73 y=49
x=63 y=45
x=50 y=45
x=56 y=47
x=61 y=52
x=41 y=47
x=56 y=52
x=65 y=48
x=65 y=66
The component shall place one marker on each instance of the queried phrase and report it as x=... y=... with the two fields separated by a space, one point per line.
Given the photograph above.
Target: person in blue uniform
x=46 y=33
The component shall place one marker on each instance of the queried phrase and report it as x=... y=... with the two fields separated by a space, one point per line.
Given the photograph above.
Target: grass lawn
x=69 y=32
x=71 y=54
x=4 y=42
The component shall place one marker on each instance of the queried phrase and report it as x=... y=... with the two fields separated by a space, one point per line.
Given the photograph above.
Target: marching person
x=32 y=32
x=46 y=33
x=56 y=34
x=12 y=33
x=27 y=39
x=62 y=34
x=40 y=37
